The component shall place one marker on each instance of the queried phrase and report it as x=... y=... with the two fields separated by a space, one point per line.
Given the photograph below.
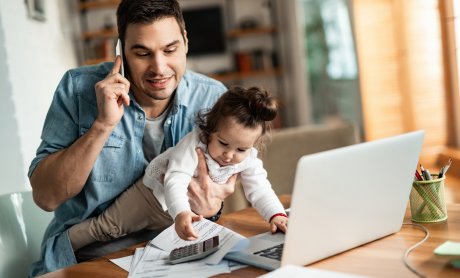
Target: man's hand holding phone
x=111 y=94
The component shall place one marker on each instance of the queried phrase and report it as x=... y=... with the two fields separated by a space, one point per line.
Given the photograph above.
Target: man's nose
x=158 y=64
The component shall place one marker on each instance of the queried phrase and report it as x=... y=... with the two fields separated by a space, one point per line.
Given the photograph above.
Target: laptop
x=342 y=198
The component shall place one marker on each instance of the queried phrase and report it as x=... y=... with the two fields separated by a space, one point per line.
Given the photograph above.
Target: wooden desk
x=381 y=258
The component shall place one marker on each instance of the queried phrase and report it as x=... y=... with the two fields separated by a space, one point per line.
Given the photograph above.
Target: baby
x=228 y=134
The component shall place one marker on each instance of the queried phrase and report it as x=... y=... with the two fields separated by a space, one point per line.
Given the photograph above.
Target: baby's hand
x=278 y=222
x=183 y=225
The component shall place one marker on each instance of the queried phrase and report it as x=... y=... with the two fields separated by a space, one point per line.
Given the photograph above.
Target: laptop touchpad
x=276 y=237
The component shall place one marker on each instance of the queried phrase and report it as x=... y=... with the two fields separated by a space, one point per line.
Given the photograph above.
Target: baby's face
x=232 y=142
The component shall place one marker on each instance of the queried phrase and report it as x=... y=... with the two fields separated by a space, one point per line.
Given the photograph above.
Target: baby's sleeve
x=258 y=190
x=181 y=168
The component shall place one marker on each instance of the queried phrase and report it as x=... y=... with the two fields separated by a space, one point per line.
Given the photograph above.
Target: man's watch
x=216 y=217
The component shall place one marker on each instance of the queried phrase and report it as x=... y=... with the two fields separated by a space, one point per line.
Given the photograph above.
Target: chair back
x=22 y=225
x=287 y=145
x=290 y=144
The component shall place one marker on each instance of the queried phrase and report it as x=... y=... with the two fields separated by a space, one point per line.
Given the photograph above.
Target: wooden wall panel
x=426 y=71
x=450 y=18
x=399 y=48
x=378 y=68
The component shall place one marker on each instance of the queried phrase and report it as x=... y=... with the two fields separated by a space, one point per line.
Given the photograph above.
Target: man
x=102 y=128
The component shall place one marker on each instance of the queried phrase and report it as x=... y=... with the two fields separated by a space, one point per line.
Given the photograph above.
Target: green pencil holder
x=427 y=202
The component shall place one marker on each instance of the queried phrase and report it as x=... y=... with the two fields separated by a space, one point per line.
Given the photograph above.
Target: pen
x=427 y=175
x=444 y=168
x=441 y=172
x=417 y=176
x=423 y=170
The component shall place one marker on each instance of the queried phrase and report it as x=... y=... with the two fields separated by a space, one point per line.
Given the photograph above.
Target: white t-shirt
x=152 y=142
x=178 y=165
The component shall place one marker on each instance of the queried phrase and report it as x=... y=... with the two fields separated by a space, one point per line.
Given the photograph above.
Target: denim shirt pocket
x=105 y=167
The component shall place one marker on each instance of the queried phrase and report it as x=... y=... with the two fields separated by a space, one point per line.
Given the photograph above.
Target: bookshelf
x=98 y=44
x=252 y=74
x=259 y=63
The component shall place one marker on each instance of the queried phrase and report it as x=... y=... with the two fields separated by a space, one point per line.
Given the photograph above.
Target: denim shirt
x=121 y=161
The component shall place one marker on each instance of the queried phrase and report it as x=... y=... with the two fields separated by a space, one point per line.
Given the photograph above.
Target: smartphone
x=119 y=51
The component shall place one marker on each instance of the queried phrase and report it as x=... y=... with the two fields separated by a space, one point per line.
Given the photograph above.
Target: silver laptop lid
x=349 y=196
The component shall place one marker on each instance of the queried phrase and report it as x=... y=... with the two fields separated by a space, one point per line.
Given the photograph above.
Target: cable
x=410 y=249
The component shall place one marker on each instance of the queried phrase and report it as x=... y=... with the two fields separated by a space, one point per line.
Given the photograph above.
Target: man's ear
x=185 y=41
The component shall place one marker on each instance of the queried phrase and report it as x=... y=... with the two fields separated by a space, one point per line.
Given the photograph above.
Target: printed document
x=228 y=239
x=152 y=261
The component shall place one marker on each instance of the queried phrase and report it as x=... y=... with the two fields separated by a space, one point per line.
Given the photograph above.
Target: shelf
x=92 y=5
x=100 y=34
x=99 y=43
x=224 y=77
x=237 y=33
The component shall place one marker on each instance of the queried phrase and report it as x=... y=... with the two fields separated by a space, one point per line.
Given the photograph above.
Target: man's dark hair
x=147 y=11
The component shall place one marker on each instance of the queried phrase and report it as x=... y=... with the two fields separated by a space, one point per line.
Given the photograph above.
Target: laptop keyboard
x=273 y=252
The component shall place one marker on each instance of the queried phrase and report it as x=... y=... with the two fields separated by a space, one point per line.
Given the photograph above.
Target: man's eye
x=142 y=54
x=171 y=50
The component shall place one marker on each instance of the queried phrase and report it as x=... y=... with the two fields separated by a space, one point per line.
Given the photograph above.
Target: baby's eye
x=242 y=150
x=223 y=143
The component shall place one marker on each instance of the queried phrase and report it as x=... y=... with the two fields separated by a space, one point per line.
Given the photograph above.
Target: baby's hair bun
x=262 y=105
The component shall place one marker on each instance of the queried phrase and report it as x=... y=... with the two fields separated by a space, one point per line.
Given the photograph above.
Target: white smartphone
x=119 y=51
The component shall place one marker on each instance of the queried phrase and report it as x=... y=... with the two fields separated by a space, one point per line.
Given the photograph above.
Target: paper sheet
x=152 y=261
x=128 y=263
x=123 y=262
x=448 y=248
x=228 y=239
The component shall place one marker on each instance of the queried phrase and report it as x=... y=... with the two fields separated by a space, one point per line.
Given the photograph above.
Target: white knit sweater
x=177 y=165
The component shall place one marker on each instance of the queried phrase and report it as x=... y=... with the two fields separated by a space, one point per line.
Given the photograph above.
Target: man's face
x=156 y=56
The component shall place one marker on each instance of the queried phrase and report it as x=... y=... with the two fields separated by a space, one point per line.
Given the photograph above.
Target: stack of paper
x=152 y=261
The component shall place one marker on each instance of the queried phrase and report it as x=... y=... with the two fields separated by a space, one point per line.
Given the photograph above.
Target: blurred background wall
x=387 y=66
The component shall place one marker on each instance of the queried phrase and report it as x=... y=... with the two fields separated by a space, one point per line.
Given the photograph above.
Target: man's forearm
x=62 y=175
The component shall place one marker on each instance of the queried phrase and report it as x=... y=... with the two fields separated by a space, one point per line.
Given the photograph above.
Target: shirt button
x=138 y=151
x=168 y=121
x=139 y=117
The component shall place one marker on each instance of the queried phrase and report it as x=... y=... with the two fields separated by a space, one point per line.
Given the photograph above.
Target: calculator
x=194 y=251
